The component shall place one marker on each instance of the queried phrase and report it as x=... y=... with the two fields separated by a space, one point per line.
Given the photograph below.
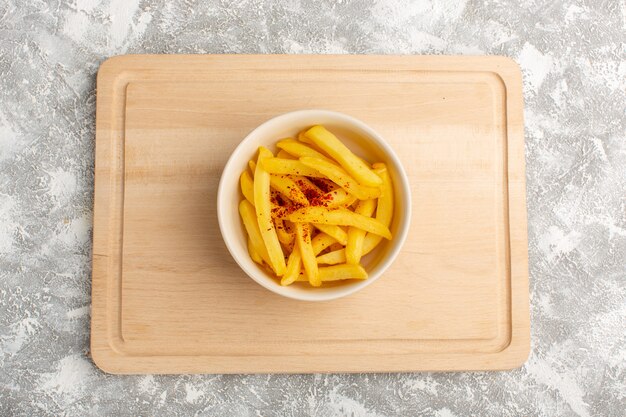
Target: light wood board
x=167 y=296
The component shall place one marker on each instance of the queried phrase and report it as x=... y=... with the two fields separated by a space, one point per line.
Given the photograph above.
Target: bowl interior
x=364 y=143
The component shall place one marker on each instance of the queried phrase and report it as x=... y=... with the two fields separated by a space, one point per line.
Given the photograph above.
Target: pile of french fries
x=315 y=209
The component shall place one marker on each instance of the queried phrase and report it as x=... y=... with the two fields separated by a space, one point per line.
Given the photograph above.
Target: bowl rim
x=401 y=233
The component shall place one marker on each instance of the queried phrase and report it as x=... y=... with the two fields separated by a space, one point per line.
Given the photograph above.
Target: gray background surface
x=573 y=60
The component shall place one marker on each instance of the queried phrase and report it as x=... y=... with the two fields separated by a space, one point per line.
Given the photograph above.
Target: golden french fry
x=325 y=185
x=294 y=264
x=298 y=149
x=298 y=189
x=338 y=175
x=349 y=202
x=310 y=190
x=280 y=212
x=302 y=137
x=247 y=186
x=340 y=152
x=288 y=188
x=248 y=216
x=284 y=155
x=336 y=198
x=338 y=273
x=252 y=166
x=288 y=248
x=289 y=167
x=284 y=236
x=263 y=209
x=339 y=217
x=384 y=211
x=335 y=246
x=290 y=227
x=332 y=258
x=370 y=243
x=253 y=253
x=336 y=232
x=356 y=236
x=320 y=242
x=303 y=240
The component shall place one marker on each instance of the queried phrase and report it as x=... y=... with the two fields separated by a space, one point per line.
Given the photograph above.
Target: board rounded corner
x=516 y=354
x=508 y=70
x=112 y=66
x=104 y=360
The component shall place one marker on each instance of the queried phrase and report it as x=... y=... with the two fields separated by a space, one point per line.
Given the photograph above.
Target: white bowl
x=363 y=141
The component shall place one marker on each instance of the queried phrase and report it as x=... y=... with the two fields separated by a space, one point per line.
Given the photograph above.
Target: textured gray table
x=573 y=58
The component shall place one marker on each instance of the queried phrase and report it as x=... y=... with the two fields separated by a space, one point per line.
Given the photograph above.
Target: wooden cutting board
x=167 y=296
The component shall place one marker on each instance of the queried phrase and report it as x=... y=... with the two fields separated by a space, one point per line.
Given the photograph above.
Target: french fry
x=252 y=166
x=384 y=210
x=298 y=189
x=298 y=149
x=335 y=246
x=294 y=264
x=288 y=188
x=325 y=185
x=248 y=216
x=289 y=167
x=247 y=186
x=337 y=198
x=338 y=175
x=262 y=206
x=349 y=202
x=302 y=137
x=340 y=152
x=253 y=253
x=307 y=187
x=290 y=227
x=339 y=217
x=356 y=236
x=339 y=273
x=332 y=258
x=336 y=232
x=288 y=248
x=284 y=236
x=344 y=202
x=303 y=240
x=321 y=242
x=284 y=155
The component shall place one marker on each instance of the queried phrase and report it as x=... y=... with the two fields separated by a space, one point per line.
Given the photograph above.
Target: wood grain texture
x=168 y=298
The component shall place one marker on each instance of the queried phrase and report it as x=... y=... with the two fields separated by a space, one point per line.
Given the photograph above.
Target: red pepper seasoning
x=322 y=200
x=321 y=183
x=309 y=192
